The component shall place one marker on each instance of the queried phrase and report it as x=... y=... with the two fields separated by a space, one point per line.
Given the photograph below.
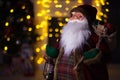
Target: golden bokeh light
x=11 y=10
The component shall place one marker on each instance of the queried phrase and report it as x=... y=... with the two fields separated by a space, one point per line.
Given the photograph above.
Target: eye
x=80 y=16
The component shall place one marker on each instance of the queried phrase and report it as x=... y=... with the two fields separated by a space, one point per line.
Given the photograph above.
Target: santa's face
x=77 y=15
x=75 y=34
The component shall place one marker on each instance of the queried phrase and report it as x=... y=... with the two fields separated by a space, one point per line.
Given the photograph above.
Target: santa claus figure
x=74 y=61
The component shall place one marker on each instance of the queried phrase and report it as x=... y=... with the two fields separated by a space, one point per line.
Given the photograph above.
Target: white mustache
x=75 y=20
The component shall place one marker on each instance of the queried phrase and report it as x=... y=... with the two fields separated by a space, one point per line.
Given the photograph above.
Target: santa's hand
x=75 y=67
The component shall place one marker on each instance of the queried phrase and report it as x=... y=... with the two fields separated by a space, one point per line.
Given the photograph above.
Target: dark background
x=114 y=17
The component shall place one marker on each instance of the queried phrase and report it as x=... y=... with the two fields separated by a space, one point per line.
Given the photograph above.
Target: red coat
x=97 y=71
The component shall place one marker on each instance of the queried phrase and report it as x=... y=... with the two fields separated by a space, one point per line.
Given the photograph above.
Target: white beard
x=74 y=35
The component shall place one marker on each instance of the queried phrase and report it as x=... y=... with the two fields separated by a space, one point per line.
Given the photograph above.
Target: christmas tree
x=16 y=25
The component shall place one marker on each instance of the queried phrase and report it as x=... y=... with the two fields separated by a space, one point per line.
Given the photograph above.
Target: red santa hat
x=88 y=11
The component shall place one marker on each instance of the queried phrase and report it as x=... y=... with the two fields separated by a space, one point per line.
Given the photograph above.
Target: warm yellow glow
x=58 y=13
x=61 y=31
x=43 y=47
x=107 y=3
x=105 y=16
x=101 y=14
x=98 y=4
x=37 y=50
x=38 y=39
x=102 y=2
x=42 y=37
x=49 y=17
x=48 y=11
x=39 y=14
x=60 y=23
x=50 y=35
x=98 y=17
x=65 y=14
x=7 y=24
x=31 y=58
x=37 y=26
x=29 y=29
x=49 y=1
x=21 y=19
x=55 y=1
x=38 y=2
x=46 y=6
x=43 y=24
x=28 y=16
x=43 y=12
x=5 y=48
x=67 y=1
x=66 y=8
x=58 y=6
x=40 y=60
x=66 y=19
x=45 y=34
x=8 y=38
x=56 y=29
x=96 y=1
x=74 y=6
x=107 y=10
x=23 y=7
x=56 y=35
x=11 y=10
x=44 y=1
x=50 y=30
x=80 y=1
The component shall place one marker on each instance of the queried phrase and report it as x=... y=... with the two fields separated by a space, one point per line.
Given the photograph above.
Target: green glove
x=51 y=51
x=91 y=53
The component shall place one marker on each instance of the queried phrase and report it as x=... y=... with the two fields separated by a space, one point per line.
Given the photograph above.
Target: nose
x=76 y=17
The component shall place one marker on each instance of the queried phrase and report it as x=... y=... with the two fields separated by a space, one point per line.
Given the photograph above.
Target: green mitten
x=51 y=51
x=90 y=54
